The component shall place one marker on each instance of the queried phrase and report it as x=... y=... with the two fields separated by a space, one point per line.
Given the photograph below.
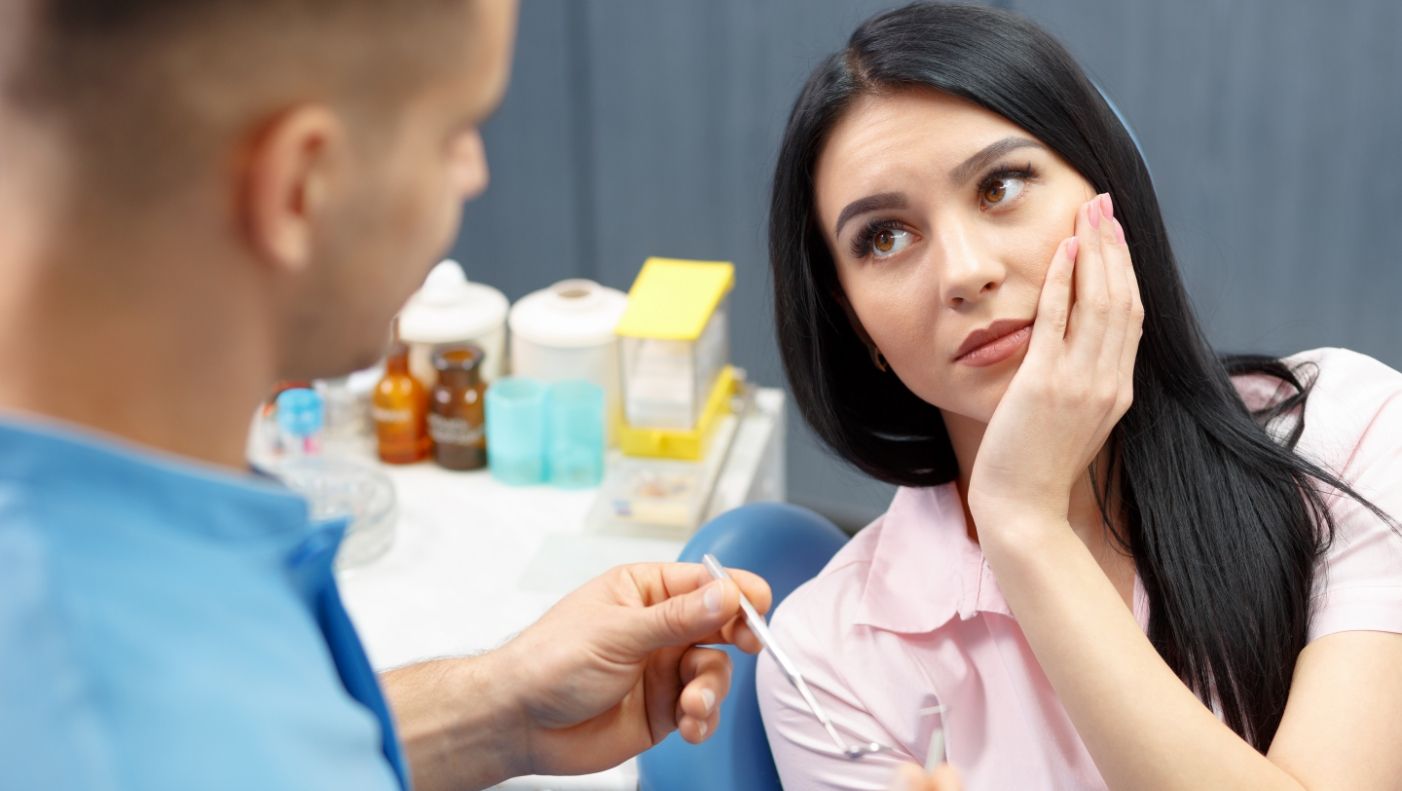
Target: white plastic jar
x=449 y=309
x=566 y=332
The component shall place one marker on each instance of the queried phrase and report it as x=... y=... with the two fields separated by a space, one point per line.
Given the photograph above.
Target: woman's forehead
x=899 y=136
x=890 y=121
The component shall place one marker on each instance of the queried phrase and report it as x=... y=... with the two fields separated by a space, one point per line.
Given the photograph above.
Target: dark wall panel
x=528 y=229
x=1271 y=129
x=638 y=128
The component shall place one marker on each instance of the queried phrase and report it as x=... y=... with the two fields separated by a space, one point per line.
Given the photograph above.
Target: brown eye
x=1001 y=190
x=881 y=242
x=884 y=241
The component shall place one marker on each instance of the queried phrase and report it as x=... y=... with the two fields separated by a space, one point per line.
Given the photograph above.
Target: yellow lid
x=673 y=299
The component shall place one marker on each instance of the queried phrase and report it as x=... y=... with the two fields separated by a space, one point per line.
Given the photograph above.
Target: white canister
x=449 y=309
x=566 y=332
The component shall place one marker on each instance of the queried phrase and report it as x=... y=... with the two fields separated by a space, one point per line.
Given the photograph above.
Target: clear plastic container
x=667 y=383
x=341 y=488
x=655 y=496
x=349 y=429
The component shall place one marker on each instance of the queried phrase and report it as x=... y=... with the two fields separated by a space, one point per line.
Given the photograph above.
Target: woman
x=1117 y=560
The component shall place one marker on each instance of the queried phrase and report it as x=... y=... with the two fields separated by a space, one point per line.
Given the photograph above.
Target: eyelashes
x=999 y=190
x=998 y=181
x=863 y=244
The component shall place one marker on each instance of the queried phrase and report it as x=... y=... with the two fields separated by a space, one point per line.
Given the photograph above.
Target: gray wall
x=649 y=127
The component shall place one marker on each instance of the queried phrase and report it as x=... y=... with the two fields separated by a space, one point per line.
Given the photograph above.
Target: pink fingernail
x=1093 y=213
x=1072 y=247
x=1107 y=207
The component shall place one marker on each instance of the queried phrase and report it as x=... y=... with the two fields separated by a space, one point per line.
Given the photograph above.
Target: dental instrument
x=766 y=638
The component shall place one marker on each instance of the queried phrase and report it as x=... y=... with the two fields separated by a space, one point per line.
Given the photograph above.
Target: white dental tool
x=934 y=756
x=761 y=630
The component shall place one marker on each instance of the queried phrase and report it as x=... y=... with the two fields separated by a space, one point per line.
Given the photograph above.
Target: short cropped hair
x=143 y=89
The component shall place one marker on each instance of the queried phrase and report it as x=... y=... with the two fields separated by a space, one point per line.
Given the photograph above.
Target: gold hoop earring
x=879 y=360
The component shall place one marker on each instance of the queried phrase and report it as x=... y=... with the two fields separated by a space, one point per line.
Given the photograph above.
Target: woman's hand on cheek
x=1074 y=384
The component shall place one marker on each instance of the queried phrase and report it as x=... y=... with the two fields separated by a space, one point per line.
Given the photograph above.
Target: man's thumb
x=683 y=620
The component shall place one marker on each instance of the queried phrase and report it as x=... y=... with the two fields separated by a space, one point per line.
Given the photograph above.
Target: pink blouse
x=908 y=615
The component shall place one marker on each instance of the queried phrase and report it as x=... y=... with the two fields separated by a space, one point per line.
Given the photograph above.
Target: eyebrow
x=883 y=200
x=958 y=176
x=990 y=152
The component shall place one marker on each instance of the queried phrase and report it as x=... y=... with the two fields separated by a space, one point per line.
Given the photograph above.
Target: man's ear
x=288 y=172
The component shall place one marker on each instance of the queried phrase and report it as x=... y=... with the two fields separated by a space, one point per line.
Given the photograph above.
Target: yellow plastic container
x=675 y=355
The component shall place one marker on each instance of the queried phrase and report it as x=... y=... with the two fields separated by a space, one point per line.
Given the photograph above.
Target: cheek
x=1033 y=249
x=421 y=218
x=1042 y=236
x=392 y=240
x=902 y=318
x=420 y=199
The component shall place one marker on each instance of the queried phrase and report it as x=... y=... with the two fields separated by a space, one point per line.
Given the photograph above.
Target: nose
x=469 y=163
x=969 y=270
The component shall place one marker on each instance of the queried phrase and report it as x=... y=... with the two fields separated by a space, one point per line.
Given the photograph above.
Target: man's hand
x=615 y=666
x=913 y=778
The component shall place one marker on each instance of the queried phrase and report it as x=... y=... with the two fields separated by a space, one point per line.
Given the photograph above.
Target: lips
x=993 y=332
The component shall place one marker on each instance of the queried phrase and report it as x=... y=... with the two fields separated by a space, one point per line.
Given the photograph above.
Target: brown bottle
x=400 y=408
x=456 y=417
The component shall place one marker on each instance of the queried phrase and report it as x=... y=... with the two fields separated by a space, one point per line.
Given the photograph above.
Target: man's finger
x=686 y=619
x=659 y=581
x=909 y=777
x=688 y=607
x=912 y=778
x=739 y=634
x=705 y=674
x=697 y=731
x=944 y=778
x=662 y=685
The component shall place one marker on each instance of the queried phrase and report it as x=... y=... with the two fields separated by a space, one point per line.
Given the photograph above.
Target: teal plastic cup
x=575 y=435
x=516 y=431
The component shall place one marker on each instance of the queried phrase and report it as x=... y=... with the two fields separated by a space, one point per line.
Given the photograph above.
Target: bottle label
x=453 y=431
x=384 y=415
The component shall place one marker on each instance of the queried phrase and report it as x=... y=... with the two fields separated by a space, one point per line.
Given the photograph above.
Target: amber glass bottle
x=401 y=411
x=456 y=417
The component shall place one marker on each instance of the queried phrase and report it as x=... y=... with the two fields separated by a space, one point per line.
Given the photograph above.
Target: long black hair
x=1224 y=522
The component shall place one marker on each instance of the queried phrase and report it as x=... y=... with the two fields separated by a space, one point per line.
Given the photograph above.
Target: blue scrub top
x=164 y=626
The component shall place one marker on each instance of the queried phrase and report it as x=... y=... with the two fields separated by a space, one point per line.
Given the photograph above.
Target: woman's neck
x=1083 y=513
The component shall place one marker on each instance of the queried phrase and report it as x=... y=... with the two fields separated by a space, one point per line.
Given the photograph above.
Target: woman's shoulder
x=1353 y=427
x=817 y=607
x=1327 y=368
x=1336 y=368
x=1349 y=392
x=840 y=598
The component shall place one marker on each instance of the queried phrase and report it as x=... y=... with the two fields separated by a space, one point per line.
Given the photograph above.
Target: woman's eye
x=889 y=241
x=1001 y=189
